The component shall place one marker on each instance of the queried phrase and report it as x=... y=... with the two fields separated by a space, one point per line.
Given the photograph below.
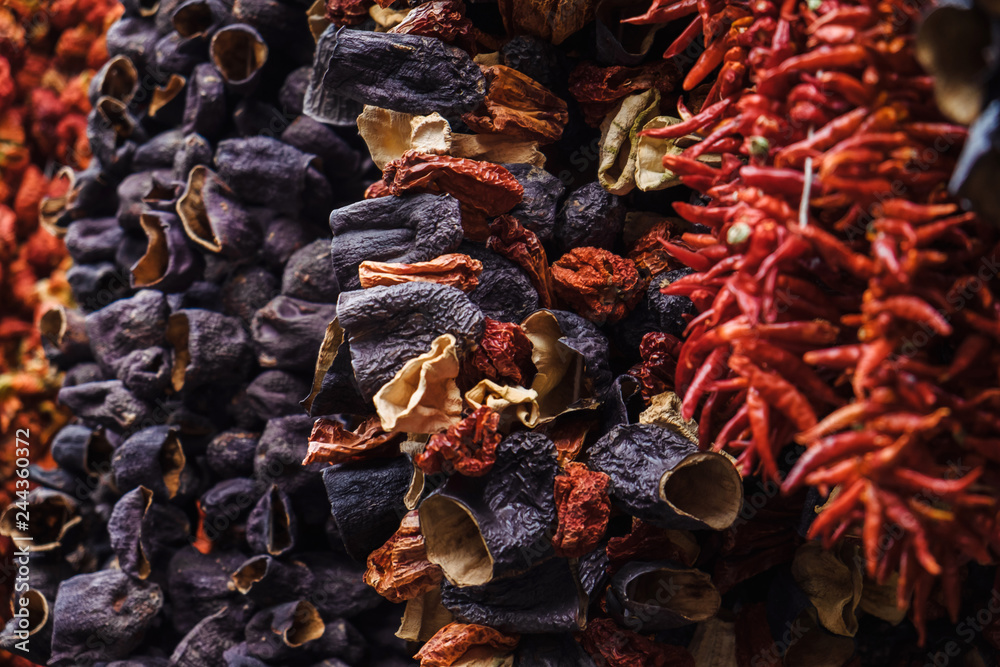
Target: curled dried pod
x=106 y=403
x=651 y=597
x=406 y=229
x=539 y=204
x=193 y=151
x=619 y=140
x=141 y=531
x=81 y=450
x=660 y=476
x=209 y=347
x=273 y=394
x=407 y=73
x=53 y=516
x=207 y=642
x=153 y=458
x=545 y=599
x=519 y=107
x=239 y=53
x=267 y=581
x=463 y=643
x=388 y=326
x=109 y=125
x=117 y=79
x=205 y=108
x=64 y=335
x=107 y=604
x=493 y=527
x=598 y=284
x=133 y=37
x=832 y=582
x=650 y=174
x=272 y=527
x=590 y=216
x=399 y=569
x=213 y=217
x=178 y=56
x=80 y=194
x=127 y=325
x=366 y=499
x=423 y=396
x=32 y=631
x=131 y=193
x=170 y=263
x=287 y=332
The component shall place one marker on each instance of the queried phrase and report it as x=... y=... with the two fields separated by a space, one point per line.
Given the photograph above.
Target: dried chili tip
x=468 y=447
x=659 y=476
x=504 y=354
x=56 y=515
x=583 y=508
x=600 y=285
x=399 y=569
x=609 y=644
x=452 y=269
x=330 y=442
x=518 y=106
x=459 y=643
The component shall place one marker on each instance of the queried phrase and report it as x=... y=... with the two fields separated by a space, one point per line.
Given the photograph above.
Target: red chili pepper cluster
x=845 y=302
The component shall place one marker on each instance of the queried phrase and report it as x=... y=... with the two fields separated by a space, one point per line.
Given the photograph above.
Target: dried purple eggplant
x=281 y=24
x=247 y=290
x=366 y=499
x=334 y=387
x=208 y=641
x=542 y=192
x=141 y=532
x=340 y=590
x=82 y=374
x=133 y=38
x=652 y=597
x=504 y=292
x=400 y=72
x=101 y=616
x=231 y=453
x=309 y=275
x=81 y=450
x=545 y=599
x=388 y=326
x=268 y=581
x=225 y=507
x=660 y=476
x=117 y=79
x=591 y=217
x=29 y=636
x=208 y=348
x=152 y=458
x=340 y=161
x=171 y=263
x=274 y=634
x=198 y=585
x=193 y=151
x=88 y=195
x=56 y=515
x=176 y=55
x=275 y=394
x=669 y=310
x=205 y=104
x=497 y=525
x=407 y=229
x=239 y=53
x=132 y=191
x=272 y=527
x=287 y=332
x=106 y=403
x=127 y=325
x=213 y=217
x=113 y=133
x=64 y=336
x=262 y=170
x=93 y=240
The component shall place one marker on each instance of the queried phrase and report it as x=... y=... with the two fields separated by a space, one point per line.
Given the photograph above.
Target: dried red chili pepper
x=504 y=354
x=519 y=107
x=598 y=284
x=468 y=447
x=399 y=569
x=614 y=646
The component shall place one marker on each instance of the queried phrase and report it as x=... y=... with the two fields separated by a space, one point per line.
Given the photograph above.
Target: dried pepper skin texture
x=399 y=569
x=519 y=107
x=406 y=73
x=330 y=442
x=214 y=218
x=388 y=326
x=600 y=285
x=127 y=325
x=201 y=585
x=81 y=450
x=274 y=394
x=106 y=403
x=170 y=263
x=510 y=239
x=456 y=640
x=109 y=602
x=287 y=332
x=544 y=599
x=452 y=269
x=93 y=240
x=479 y=530
x=142 y=532
x=583 y=508
x=467 y=448
x=634 y=602
x=413 y=228
x=504 y=354
x=267 y=581
x=367 y=501
x=659 y=476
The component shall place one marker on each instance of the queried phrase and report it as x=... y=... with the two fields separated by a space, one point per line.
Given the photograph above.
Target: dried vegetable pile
x=423 y=275
x=48 y=52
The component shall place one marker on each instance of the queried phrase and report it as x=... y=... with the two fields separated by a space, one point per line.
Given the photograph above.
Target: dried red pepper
x=468 y=447
x=598 y=284
x=399 y=570
x=504 y=354
x=583 y=507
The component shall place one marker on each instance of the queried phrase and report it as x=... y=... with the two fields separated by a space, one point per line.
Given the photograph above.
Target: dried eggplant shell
x=213 y=217
x=651 y=597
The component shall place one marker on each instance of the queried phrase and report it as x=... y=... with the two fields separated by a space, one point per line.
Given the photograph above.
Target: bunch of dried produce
x=48 y=52
x=844 y=300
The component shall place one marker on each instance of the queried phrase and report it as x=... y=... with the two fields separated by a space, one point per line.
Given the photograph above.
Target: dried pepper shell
x=141 y=531
x=452 y=269
x=56 y=514
x=399 y=569
x=660 y=476
x=209 y=347
x=153 y=458
x=106 y=403
x=266 y=581
x=545 y=599
x=972 y=176
x=481 y=529
x=93 y=240
x=213 y=217
x=388 y=326
x=465 y=644
x=423 y=396
x=64 y=336
x=598 y=284
x=231 y=453
x=367 y=501
x=504 y=292
x=407 y=73
x=239 y=53
x=412 y=228
x=199 y=18
x=205 y=107
x=550 y=20
x=651 y=597
x=665 y=410
x=272 y=527
x=423 y=617
x=539 y=204
x=388 y=134
x=198 y=585
x=107 y=602
x=496 y=148
x=170 y=263
x=621 y=43
x=274 y=633
x=650 y=174
x=208 y=641
x=519 y=107
x=619 y=140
